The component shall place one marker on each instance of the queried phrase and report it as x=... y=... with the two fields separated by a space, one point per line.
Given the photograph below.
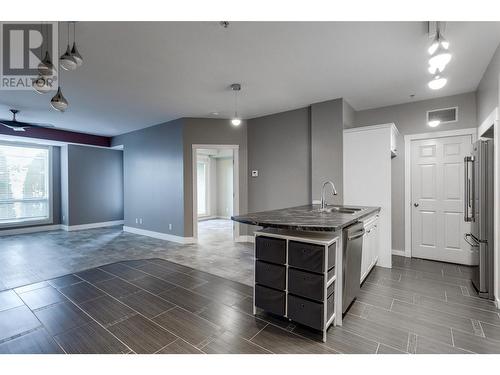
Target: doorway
x=215 y=192
x=436 y=192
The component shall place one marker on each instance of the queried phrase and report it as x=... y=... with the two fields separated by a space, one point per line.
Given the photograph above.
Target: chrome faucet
x=323 y=190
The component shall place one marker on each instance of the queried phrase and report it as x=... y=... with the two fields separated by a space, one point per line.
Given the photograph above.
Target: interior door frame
x=408 y=139
x=236 y=186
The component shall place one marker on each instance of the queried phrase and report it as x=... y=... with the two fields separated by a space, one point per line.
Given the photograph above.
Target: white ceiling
x=138 y=74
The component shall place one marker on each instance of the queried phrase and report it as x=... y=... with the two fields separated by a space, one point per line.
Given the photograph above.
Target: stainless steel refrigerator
x=478 y=210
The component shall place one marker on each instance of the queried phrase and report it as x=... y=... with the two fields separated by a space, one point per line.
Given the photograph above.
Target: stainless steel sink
x=339 y=209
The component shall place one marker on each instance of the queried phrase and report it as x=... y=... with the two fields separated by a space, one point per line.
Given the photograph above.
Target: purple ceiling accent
x=60 y=135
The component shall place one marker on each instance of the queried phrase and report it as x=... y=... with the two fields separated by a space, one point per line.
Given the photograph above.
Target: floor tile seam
x=136 y=312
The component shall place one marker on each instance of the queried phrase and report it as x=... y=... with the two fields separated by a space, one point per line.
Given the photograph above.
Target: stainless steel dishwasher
x=351 y=265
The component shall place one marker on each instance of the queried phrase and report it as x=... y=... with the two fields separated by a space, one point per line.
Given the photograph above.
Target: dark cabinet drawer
x=271 y=275
x=270 y=249
x=308 y=313
x=310 y=257
x=307 y=284
x=270 y=300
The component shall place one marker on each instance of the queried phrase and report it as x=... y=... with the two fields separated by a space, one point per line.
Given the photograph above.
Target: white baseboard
x=70 y=228
x=160 y=236
x=398 y=252
x=250 y=239
x=40 y=228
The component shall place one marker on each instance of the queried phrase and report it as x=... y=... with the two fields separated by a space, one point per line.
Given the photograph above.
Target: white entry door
x=437 y=190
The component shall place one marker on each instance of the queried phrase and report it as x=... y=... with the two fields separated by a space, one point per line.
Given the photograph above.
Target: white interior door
x=437 y=190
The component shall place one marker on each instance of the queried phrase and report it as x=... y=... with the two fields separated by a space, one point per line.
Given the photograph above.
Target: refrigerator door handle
x=466 y=189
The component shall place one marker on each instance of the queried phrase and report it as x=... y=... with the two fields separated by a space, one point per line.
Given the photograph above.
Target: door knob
x=416 y=204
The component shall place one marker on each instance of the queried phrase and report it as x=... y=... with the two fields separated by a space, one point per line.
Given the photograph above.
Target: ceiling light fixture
x=74 y=51
x=439 y=39
x=59 y=102
x=67 y=61
x=236 y=87
x=437 y=82
x=433 y=123
x=440 y=56
x=45 y=70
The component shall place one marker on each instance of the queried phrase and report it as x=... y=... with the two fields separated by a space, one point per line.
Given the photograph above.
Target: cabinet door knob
x=416 y=204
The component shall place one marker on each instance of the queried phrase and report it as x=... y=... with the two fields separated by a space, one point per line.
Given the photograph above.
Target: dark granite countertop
x=306 y=218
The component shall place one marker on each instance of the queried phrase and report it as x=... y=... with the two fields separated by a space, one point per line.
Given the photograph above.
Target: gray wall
x=327 y=131
x=153 y=177
x=410 y=118
x=212 y=132
x=94 y=185
x=279 y=148
x=487 y=90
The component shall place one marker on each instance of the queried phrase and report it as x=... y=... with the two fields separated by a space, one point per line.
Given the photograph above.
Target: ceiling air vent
x=443 y=115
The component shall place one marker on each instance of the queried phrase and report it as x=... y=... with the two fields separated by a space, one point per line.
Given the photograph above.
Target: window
x=202 y=187
x=24 y=184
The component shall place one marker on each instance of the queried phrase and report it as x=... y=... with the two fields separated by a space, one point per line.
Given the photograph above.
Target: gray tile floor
x=143 y=306
x=59 y=253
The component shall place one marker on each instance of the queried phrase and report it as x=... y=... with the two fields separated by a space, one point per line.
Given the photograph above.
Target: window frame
x=206 y=161
x=50 y=218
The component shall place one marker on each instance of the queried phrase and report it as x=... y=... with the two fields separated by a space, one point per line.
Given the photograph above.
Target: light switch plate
x=255 y=173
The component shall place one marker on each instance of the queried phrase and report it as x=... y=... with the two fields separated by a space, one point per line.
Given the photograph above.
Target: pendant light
x=236 y=121
x=437 y=82
x=74 y=51
x=67 y=61
x=59 y=102
x=45 y=70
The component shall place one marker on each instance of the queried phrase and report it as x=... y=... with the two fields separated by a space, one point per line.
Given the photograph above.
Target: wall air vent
x=443 y=115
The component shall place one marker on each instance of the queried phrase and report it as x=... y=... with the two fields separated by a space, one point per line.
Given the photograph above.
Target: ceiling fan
x=19 y=126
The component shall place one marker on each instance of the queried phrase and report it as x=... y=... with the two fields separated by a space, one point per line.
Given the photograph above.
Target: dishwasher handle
x=356 y=235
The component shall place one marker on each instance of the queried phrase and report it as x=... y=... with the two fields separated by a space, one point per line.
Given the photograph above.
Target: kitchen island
x=308 y=260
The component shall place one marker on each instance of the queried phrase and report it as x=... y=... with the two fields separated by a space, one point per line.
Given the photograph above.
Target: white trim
x=398 y=252
x=161 y=236
x=490 y=121
x=70 y=228
x=236 y=186
x=246 y=238
x=407 y=193
x=497 y=302
x=40 y=228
